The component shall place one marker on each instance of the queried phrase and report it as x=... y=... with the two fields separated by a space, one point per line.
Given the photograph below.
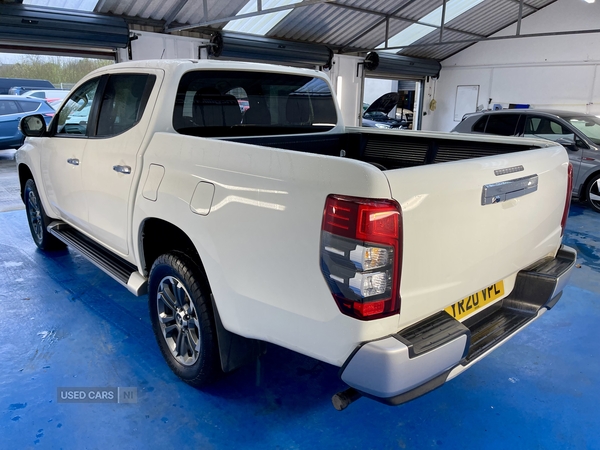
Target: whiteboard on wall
x=466 y=101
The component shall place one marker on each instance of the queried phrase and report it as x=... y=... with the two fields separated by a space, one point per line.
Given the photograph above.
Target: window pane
x=479 y=126
x=544 y=128
x=28 y=106
x=588 y=125
x=121 y=106
x=8 y=107
x=219 y=103
x=502 y=124
x=74 y=115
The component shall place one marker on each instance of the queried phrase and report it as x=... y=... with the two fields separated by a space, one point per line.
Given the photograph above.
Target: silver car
x=579 y=133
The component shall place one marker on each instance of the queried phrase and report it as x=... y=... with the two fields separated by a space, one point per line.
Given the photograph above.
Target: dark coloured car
x=12 y=109
x=376 y=114
x=16 y=86
x=579 y=133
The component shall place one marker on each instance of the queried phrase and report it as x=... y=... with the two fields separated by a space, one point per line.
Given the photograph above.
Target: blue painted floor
x=64 y=323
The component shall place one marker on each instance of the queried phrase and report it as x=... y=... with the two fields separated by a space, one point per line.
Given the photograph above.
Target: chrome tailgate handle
x=122 y=169
x=506 y=190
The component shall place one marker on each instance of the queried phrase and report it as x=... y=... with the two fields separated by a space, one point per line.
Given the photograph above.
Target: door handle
x=73 y=161
x=122 y=169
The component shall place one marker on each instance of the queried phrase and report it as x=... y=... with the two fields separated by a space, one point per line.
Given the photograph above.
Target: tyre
x=592 y=193
x=38 y=220
x=182 y=319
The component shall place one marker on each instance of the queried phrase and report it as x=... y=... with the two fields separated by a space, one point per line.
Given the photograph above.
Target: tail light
x=361 y=254
x=563 y=222
x=49 y=114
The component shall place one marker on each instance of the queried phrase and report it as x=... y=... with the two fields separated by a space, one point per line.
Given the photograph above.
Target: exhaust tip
x=343 y=399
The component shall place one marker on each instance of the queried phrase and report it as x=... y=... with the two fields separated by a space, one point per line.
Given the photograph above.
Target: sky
x=12 y=58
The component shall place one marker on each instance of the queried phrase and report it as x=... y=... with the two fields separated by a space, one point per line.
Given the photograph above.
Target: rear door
x=111 y=156
x=454 y=244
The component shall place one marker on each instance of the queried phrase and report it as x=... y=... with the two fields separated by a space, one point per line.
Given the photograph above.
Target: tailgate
x=455 y=246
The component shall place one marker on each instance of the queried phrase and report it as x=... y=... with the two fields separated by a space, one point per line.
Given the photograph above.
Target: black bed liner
x=389 y=151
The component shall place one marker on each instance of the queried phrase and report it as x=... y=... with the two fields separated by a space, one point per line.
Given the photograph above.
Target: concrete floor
x=64 y=323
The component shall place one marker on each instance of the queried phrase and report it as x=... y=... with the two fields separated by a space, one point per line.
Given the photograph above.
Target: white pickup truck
x=233 y=194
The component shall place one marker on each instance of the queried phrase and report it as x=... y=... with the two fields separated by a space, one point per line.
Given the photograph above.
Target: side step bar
x=113 y=265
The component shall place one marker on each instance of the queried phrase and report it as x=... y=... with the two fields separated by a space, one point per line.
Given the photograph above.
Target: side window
x=28 y=106
x=8 y=107
x=542 y=127
x=74 y=116
x=123 y=103
x=479 y=126
x=502 y=124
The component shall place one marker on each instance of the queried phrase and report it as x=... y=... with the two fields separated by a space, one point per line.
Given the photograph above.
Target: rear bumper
x=422 y=357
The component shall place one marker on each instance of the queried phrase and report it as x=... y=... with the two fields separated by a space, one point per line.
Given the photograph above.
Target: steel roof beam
x=520 y=17
x=176 y=9
x=535 y=8
x=493 y=38
x=206 y=23
x=394 y=15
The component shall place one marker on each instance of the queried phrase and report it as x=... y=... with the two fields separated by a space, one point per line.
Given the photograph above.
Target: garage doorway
x=405 y=110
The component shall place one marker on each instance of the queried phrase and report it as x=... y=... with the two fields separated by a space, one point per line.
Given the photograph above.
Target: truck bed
x=390 y=150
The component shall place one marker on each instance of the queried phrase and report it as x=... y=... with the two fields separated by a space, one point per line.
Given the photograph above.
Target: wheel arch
x=586 y=183
x=24 y=175
x=157 y=237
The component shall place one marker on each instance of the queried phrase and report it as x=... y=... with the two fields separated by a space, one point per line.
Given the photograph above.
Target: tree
x=55 y=69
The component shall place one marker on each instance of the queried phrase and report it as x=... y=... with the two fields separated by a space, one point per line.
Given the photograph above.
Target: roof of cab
x=173 y=65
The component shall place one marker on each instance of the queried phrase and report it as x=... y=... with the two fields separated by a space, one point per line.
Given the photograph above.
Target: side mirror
x=33 y=126
x=567 y=143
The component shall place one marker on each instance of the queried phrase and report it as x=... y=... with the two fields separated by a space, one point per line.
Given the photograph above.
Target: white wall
x=556 y=71
x=163 y=46
x=375 y=88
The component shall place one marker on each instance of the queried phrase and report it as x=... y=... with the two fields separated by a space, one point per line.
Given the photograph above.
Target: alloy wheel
x=178 y=320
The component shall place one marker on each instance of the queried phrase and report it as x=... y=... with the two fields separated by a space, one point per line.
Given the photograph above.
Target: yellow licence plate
x=472 y=303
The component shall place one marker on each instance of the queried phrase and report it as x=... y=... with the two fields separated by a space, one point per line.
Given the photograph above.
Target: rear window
x=237 y=103
x=28 y=106
x=502 y=124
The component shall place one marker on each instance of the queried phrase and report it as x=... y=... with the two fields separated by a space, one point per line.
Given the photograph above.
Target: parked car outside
x=376 y=115
x=47 y=94
x=16 y=86
x=54 y=103
x=12 y=109
x=579 y=133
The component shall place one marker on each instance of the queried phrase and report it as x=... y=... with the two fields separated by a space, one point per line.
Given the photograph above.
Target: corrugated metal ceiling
x=344 y=25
